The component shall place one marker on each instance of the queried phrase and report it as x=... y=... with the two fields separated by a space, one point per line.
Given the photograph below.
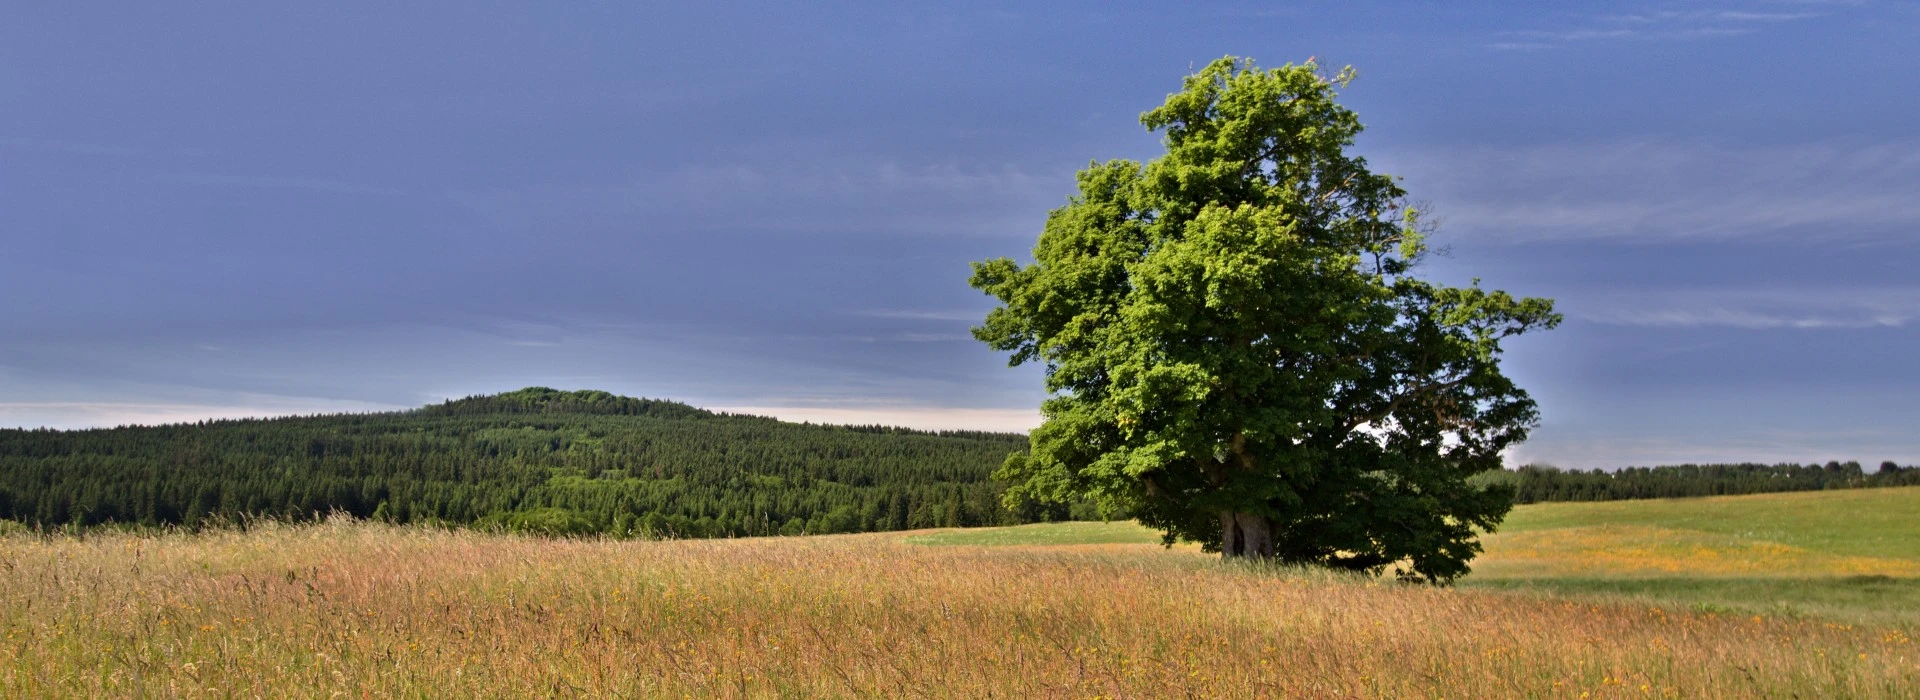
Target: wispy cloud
x=796 y=196
x=1767 y=309
x=1665 y=190
x=278 y=182
x=68 y=147
x=1572 y=450
x=874 y=178
x=1654 y=25
x=924 y=314
x=901 y=337
x=107 y=414
x=90 y=148
x=924 y=337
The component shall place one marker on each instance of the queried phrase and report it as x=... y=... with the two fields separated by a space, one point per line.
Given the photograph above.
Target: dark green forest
x=1533 y=484
x=556 y=462
x=590 y=462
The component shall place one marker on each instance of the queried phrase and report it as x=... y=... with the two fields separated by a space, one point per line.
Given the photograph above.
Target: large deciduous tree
x=1237 y=350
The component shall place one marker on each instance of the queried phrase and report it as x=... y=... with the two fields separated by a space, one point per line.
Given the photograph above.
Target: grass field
x=1075 y=533
x=1850 y=556
x=359 y=609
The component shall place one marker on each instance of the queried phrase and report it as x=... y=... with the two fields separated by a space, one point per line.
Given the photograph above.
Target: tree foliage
x=1238 y=353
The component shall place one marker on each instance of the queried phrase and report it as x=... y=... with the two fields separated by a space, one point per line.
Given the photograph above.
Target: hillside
x=536 y=459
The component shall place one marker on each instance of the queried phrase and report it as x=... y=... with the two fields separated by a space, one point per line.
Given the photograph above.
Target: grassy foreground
x=362 y=609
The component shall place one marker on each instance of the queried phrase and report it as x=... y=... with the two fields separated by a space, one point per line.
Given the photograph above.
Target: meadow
x=1064 y=610
x=1849 y=555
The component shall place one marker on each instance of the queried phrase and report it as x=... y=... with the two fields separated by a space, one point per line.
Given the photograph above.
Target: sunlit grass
x=1848 y=556
x=1608 y=606
x=1851 y=556
x=1865 y=522
x=361 y=609
x=1634 y=551
x=1074 y=533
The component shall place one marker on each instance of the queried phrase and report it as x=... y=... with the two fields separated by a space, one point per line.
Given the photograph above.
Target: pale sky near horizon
x=212 y=210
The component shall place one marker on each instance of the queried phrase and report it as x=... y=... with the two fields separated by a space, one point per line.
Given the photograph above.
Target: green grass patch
x=1862 y=522
x=1878 y=600
x=1849 y=555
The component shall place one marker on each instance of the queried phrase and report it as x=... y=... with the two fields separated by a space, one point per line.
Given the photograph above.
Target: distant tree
x=1237 y=352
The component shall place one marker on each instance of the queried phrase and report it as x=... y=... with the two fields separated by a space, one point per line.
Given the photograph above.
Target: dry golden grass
x=1643 y=550
x=367 y=610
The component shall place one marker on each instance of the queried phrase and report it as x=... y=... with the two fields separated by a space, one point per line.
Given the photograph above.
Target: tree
x=1237 y=352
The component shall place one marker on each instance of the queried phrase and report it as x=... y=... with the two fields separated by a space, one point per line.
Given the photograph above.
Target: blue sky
x=261 y=208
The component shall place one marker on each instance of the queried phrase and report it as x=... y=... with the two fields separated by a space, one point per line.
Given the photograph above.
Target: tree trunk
x=1245 y=535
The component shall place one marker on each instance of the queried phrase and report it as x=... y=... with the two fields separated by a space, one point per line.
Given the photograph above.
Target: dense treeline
x=1534 y=483
x=535 y=459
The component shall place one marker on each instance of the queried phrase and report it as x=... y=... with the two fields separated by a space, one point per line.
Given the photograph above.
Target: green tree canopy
x=1237 y=351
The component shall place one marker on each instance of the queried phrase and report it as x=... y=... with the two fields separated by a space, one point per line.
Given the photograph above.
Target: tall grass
x=361 y=609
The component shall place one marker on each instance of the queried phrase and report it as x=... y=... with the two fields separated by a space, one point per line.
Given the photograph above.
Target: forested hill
x=539 y=399
x=535 y=459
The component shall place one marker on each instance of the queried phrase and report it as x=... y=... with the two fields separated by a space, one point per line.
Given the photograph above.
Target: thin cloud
x=69 y=147
x=1766 y=16
x=88 y=148
x=1522 y=45
x=1770 y=446
x=924 y=314
x=73 y=415
x=1562 y=36
x=273 y=182
x=887 y=177
x=861 y=198
x=1660 y=25
x=1666 y=190
x=908 y=337
x=926 y=337
x=1759 y=309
